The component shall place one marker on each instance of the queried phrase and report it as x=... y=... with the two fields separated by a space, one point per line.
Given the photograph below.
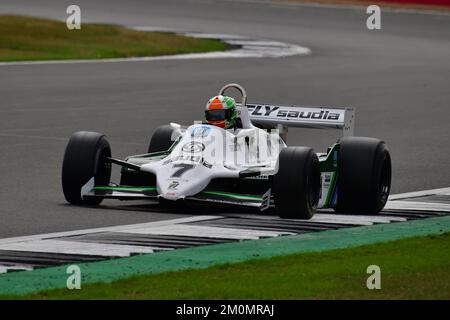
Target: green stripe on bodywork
x=111 y=188
x=329 y=164
x=233 y=195
x=24 y=282
x=330 y=190
x=223 y=194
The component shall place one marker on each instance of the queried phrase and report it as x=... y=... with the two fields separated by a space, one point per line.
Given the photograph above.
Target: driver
x=221 y=112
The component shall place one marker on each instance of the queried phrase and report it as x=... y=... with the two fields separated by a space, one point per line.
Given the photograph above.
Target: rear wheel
x=364 y=175
x=83 y=159
x=161 y=139
x=296 y=186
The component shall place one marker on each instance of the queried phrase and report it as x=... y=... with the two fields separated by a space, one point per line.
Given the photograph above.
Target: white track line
x=5 y=269
x=209 y=232
x=346 y=221
x=123 y=228
x=354 y=219
x=72 y=247
x=440 y=191
x=419 y=206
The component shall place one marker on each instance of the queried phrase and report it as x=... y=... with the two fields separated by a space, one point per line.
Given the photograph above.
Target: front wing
x=261 y=202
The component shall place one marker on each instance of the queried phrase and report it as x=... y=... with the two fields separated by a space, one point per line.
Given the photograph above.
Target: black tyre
x=161 y=139
x=364 y=175
x=82 y=161
x=296 y=186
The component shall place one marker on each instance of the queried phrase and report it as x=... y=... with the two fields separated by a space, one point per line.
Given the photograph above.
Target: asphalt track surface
x=397 y=78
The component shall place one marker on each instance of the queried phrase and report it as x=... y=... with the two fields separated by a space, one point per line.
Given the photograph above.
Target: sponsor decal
x=200 y=131
x=261 y=177
x=189 y=158
x=292 y=113
x=207 y=164
x=193 y=147
x=174 y=185
x=184 y=157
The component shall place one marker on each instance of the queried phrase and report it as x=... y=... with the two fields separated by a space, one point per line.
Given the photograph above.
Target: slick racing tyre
x=83 y=159
x=364 y=175
x=161 y=139
x=296 y=186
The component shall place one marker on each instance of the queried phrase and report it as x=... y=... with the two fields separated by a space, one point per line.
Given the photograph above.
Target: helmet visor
x=217 y=114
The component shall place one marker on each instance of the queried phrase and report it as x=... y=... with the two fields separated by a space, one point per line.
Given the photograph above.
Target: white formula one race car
x=249 y=165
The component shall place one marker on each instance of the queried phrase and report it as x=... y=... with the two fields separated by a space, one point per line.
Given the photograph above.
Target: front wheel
x=162 y=139
x=84 y=159
x=296 y=186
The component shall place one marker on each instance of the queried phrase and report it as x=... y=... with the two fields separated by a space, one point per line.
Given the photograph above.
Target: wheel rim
x=314 y=185
x=103 y=170
x=384 y=185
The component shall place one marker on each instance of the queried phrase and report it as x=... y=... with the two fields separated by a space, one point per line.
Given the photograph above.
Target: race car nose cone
x=172 y=188
x=173 y=196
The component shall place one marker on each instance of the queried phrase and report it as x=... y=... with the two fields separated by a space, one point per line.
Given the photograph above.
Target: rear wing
x=272 y=116
x=283 y=117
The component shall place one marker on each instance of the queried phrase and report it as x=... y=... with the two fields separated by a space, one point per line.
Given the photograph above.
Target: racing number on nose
x=183 y=167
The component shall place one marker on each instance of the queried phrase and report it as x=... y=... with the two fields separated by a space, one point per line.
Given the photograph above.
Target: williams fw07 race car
x=249 y=165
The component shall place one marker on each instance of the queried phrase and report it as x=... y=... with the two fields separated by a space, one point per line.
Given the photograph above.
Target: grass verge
x=412 y=268
x=27 y=38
